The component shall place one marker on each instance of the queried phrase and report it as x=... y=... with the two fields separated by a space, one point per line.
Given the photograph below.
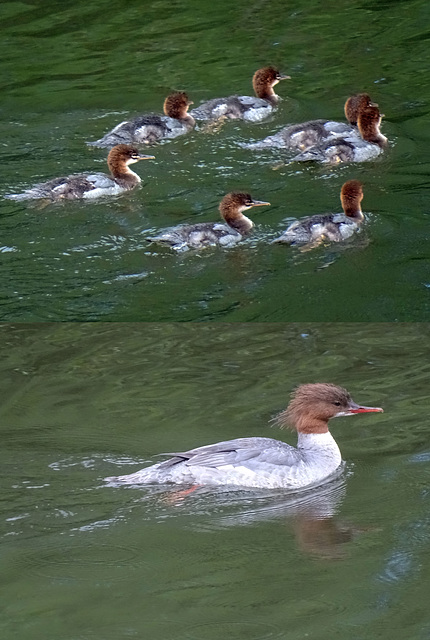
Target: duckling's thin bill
x=260 y=203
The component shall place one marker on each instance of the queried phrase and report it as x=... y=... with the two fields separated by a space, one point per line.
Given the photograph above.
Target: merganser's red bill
x=356 y=408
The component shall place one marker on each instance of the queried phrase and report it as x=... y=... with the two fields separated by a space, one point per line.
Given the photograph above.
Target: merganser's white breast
x=264 y=462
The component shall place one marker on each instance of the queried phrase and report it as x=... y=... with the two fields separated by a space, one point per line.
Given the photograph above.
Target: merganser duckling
x=334 y=226
x=204 y=234
x=264 y=462
x=351 y=147
x=150 y=128
x=308 y=134
x=91 y=185
x=245 y=107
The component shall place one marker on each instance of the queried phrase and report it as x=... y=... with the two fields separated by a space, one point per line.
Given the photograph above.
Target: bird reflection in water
x=310 y=514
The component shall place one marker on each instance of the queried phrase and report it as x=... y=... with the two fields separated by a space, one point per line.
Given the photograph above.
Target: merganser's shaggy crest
x=150 y=128
x=245 y=107
x=351 y=147
x=204 y=234
x=91 y=185
x=308 y=134
x=264 y=462
x=334 y=226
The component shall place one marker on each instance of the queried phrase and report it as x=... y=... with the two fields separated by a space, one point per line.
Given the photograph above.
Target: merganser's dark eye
x=337 y=404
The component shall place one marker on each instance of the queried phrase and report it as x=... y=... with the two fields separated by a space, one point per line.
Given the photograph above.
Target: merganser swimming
x=350 y=147
x=91 y=185
x=334 y=226
x=264 y=462
x=245 y=107
x=204 y=234
x=150 y=128
x=304 y=135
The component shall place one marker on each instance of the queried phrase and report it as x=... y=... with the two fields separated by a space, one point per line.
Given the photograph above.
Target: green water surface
x=72 y=70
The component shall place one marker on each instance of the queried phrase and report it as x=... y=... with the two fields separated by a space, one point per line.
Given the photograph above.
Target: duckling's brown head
x=176 y=105
x=265 y=79
x=369 y=121
x=121 y=156
x=232 y=207
x=238 y=202
x=351 y=196
x=356 y=104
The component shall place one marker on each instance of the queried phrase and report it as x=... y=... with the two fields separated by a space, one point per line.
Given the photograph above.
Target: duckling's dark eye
x=337 y=404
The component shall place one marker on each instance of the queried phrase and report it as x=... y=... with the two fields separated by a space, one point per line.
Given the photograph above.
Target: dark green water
x=71 y=70
x=81 y=561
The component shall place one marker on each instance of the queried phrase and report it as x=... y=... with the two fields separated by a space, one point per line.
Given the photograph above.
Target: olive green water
x=82 y=561
x=72 y=70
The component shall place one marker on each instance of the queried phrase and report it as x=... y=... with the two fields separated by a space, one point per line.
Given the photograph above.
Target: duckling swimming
x=314 y=132
x=204 y=234
x=91 y=185
x=334 y=227
x=150 y=128
x=245 y=107
x=367 y=144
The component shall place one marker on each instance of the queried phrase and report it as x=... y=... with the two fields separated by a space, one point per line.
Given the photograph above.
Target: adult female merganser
x=351 y=147
x=264 y=462
x=204 y=234
x=307 y=134
x=150 y=128
x=91 y=185
x=334 y=226
x=245 y=107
